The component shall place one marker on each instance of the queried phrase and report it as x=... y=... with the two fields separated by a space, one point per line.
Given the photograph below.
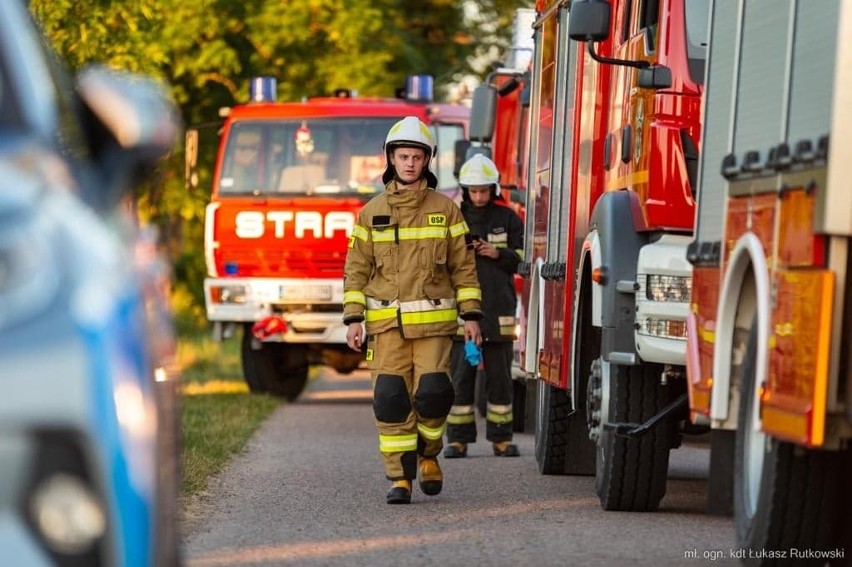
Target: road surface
x=309 y=490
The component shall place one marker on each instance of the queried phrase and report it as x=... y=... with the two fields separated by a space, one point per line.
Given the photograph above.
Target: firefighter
x=498 y=244
x=409 y=275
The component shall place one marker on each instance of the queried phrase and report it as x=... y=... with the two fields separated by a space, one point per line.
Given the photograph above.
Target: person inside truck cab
x=244 y=173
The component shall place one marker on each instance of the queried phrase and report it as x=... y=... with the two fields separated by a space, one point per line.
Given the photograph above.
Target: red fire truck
x=289 y=180
x=769 y=330
x=614 y=130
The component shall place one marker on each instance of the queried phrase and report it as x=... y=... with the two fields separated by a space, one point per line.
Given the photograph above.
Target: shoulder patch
x=436 y=219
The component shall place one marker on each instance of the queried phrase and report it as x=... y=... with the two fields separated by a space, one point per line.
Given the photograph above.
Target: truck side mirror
x=589 y=20
x=655 y=77
x=460 y=155
x=482 y=113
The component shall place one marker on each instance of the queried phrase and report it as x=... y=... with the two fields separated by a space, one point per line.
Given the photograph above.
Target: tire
x=631 y=474
x=582 y=451
x=280 y=369
x=785 y=497
x=551 y=428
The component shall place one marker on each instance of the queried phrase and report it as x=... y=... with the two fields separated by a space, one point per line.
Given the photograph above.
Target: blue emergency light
x=263 y=89
x=419 y=87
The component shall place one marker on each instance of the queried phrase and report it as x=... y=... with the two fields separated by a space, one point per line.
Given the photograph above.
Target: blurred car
x=88 y=428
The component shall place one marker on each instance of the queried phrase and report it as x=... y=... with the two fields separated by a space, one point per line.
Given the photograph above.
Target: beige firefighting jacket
x=409 y=265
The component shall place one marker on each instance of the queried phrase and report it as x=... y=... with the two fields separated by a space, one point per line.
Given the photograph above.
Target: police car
x=88 y=436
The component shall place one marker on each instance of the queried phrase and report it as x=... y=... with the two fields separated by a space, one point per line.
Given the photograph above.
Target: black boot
x=400 y=492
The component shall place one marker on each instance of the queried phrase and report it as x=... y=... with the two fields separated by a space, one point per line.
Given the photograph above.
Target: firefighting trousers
x=497 y=363
x=412 y=395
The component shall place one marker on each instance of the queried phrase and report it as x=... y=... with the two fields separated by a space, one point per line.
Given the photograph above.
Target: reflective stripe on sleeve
x=458 y=229
x=360 y=232
x=355 y=297
x=520 y=253
x=468 y=293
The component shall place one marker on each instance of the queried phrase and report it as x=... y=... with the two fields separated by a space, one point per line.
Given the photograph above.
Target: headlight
x=67 y=513
x=663 y=328
x=668 y=288
x=228 y=294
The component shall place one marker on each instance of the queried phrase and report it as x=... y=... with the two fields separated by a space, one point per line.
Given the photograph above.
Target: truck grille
x=283 y=263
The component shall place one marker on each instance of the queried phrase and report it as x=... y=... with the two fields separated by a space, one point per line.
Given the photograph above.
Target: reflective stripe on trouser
x=497 y=373
x=412 y=394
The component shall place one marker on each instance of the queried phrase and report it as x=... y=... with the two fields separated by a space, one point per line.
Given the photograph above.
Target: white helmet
x=410 y=132
x=480 y=170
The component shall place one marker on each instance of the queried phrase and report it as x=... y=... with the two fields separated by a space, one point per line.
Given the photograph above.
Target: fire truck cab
x=289 y=180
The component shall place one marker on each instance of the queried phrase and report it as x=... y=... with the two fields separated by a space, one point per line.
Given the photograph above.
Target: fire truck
x=614 y=131
x=289 y=180
x=769 y=336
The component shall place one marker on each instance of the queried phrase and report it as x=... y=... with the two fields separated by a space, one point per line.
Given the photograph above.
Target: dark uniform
x=503 y=229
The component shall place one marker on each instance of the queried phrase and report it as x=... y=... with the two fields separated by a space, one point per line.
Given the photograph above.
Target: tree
x=209 y=50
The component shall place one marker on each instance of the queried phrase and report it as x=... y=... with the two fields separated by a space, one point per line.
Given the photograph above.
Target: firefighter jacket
x=502 y=228
x=409 y=265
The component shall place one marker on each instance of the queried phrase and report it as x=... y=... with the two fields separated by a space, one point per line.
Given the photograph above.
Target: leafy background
x=208 y=50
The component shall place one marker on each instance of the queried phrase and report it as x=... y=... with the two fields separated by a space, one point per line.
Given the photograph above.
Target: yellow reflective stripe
x=506 y=330
x=468 y=293
x=422 y=233
x=373 y=315
x=520 y=253
x=461 y=419
x=499 y=245
x=355 y=297
x=384 y=236
x=398 y=443
x=424 y=318
x=458 y=229
x=431 y=433
x=418 y=305
x=498 y=418
x=359 y=231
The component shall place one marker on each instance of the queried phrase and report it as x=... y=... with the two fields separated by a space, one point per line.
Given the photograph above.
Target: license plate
x=306 y=292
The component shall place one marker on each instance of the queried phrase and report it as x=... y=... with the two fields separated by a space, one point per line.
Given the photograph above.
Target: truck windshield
x=697 y=14
x=322 y=156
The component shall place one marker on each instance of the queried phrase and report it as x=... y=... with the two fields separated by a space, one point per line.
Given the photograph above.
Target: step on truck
x=289 y=180
x=770 y=324
x=614 y=140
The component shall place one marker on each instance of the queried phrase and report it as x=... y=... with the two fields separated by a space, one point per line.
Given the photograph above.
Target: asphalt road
x=309 y=490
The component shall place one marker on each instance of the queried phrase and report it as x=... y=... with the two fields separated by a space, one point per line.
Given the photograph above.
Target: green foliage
x=207 y=51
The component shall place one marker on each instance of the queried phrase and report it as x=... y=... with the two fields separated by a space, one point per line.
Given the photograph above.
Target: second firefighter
x=497 y=235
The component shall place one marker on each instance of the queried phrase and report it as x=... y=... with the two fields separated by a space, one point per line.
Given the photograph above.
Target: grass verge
x=215 y=427
x=218 y=415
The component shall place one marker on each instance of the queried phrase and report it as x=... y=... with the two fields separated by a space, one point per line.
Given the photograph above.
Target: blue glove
x=472 y=353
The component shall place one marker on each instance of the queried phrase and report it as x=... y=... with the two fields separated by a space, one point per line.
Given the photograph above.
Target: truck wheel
x=280 y=369
x=785 y=497
x=581 y=453
x=631 y=474
x=551 y=428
